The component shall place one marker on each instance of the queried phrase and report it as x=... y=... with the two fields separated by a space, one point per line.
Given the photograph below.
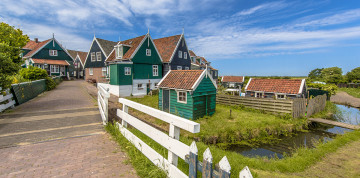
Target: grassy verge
x=327 y=113
x=355 y=92
x=244 y=126
x=298 y=162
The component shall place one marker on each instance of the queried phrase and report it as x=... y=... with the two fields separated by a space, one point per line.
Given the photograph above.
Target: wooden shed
x=188 y=93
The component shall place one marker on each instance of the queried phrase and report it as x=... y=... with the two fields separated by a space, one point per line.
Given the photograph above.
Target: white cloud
x=273 y=6
x=341 y=18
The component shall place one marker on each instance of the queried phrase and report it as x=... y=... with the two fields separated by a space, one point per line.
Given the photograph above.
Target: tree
x=353 y=75
x=332 y=75
x=315 y=74
x=11 y=42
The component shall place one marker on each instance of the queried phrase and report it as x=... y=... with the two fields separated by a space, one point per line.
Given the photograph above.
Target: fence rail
x=6 y=101
x=103 y=103
x=171 y=142
x=316 y=105
x=26 y=91
x=296 y=107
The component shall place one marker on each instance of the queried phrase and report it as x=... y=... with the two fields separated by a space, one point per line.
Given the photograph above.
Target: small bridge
x=339 y=124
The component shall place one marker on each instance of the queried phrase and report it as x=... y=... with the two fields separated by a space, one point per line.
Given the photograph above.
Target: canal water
x=318 y=133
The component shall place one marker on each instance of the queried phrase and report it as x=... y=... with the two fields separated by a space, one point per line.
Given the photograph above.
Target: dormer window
x=53 y=52
x=119 y=51
x=148 y=52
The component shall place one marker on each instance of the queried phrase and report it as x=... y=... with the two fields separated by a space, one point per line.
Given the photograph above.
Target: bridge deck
x=339 y=124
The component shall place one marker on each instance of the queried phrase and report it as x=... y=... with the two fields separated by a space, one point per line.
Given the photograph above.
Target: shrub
x=18 y=79
x=33 y=73
x=50 y=83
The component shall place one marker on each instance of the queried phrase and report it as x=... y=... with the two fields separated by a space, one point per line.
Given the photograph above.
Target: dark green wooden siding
x=44 y=53
x=117 y=74
x=145 y=71
x=92 y=64
x=181 y=109
x=140 y=56
x=160 y=98
x=204 y=98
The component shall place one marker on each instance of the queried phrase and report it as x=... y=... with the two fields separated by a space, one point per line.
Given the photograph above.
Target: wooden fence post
x=106 y=109
x=126 y=110
x=245 y=173
x=224 y=168
x=193 y=161
x=174 y=132
x=207 y=164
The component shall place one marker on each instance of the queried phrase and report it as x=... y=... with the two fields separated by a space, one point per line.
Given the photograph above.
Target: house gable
x=62 y=54
x=95 y=47
x=140 y=57
x=175 y=60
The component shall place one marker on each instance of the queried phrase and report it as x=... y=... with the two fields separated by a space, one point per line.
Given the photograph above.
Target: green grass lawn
x=244 y=127
x=355 y=92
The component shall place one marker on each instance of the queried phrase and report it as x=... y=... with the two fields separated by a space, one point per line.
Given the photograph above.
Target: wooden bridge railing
x=103 y=102
x=171 y=142
x=6 y=101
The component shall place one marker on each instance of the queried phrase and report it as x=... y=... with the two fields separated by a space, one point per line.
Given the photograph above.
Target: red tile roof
x=289 y=86
x=166 y=46
x=192 y=53
x=50 y=61
x=133 y=42
x=237 y=79
x=82 y=56
x=181 y=79
x=34 y=47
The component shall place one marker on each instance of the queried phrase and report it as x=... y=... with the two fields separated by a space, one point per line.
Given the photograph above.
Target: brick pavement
x=59 y=134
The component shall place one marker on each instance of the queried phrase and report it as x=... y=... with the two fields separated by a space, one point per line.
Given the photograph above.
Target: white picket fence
x=103 y=102
x=8 y=97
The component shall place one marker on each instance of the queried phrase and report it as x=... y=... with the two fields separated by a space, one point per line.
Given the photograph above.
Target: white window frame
x=103 y=71
x=155 y=70
x=281 y=94
x=93 y=56
x=148 y=52
x=119 y=52
x=98 y=56
x=39 y=66
x=53 y=52
x=180 y=54
x=187 y=68
x=91 y=71
x=179 y=68
x=261 y=93
x=54 y=69
x=127 y=70
x=185 y=55
x=140 y=86
x=178 y=97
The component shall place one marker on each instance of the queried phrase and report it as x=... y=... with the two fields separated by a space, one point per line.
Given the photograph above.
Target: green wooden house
x=135 y=66
x=188 y=93
x=48 y=55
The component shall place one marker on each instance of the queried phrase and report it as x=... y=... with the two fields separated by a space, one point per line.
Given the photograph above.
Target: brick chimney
x=36 y=40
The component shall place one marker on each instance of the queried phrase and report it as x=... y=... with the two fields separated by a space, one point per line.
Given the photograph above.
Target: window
x=92 y=56
x=98 y=56
x=53 y=52
x=119 y=52
x=155 y=84
x=186 y=68
x=39 y=66
x=103 y=71
x=127 y=71
x=155 y=70
x=180 y=54
x=54 y=69
x=179 y=68
x=259 y=94
x=140 y=86
x=280 y=96
x=148 y=52
x=91 y=71
x=181 y=97
x=185 y=55
x=215 y=73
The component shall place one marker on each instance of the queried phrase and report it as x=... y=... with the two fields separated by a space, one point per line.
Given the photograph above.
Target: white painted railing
x=170 y=142
x=3 y=98
x=103 y=102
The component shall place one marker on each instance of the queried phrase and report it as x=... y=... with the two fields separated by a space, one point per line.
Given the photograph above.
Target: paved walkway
x=346 y=99
x=59 y=134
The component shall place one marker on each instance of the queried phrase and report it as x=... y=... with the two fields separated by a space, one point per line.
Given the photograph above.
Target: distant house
x=48 y=55
x=135 y=66
x=79 y=58
x=232 y=81
x=199 y=63
x=95 y=60
x=276 y=88
x=189 y=93
x=174 y=53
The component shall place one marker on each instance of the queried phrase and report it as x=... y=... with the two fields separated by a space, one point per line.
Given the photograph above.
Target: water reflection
x=318 y=133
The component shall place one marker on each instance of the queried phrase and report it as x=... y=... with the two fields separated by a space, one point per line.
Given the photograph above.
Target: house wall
x=204 y=98
x=95 y=48
x=269 y=95
x=195 y=67
x=97 y=74
x=236 y=85
x=166 y=68
x=117 y=74
x=145 y=71
x=141 y=58
x=136 y=91
x=181 y=109
x=215 y=74
x=176 y=61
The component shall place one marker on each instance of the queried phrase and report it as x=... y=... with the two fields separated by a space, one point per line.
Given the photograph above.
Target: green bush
x=331 y=88
x=50 y=83
x=19 y=79
x=33 y=73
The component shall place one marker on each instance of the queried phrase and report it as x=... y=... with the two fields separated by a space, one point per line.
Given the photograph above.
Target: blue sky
x=239 y=37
